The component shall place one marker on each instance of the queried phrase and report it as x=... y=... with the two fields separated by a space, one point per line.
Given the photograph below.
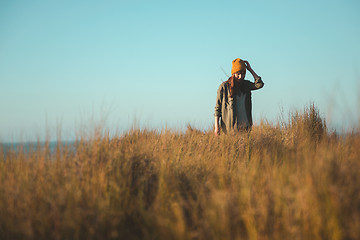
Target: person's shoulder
x=223 y=85
x=248 y=85
x=247 y=81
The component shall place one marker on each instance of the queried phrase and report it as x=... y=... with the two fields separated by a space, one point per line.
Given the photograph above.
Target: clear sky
x=67 y=64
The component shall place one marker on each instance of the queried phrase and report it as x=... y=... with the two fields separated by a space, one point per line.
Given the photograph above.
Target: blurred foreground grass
x=292 y=180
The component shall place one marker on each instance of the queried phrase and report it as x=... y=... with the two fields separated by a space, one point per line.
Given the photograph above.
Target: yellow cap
x=237 y=66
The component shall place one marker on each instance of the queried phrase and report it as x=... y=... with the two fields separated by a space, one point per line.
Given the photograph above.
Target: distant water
x=26 y=146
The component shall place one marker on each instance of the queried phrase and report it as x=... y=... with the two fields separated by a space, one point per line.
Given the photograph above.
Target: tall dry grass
x=292 y=180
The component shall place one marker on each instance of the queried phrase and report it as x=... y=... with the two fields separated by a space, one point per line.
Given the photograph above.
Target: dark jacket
x=224 y=105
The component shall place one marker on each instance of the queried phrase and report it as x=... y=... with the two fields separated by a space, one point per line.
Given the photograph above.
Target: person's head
x=238 y=72
x=238 y=69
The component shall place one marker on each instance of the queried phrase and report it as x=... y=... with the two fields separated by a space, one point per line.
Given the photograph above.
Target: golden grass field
x=288 y=180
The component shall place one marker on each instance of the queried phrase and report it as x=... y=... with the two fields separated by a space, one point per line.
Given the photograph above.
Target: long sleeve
x=257 y=84
x=219 y=98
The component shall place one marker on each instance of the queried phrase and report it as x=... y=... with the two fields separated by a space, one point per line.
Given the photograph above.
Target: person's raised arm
x=258 y=82
x=248 y=67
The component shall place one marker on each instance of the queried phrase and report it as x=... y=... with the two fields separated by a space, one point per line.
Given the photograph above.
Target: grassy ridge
x=294 y=181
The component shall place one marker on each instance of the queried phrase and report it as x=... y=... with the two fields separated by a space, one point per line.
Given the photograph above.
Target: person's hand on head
x=247 y=64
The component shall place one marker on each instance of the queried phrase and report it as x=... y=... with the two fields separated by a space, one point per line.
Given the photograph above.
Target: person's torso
x=236 y=111
x=240 y=114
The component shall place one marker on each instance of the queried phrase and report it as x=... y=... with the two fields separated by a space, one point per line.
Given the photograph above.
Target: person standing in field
x=233 y=101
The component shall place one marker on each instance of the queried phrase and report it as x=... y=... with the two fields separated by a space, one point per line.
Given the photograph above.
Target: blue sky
x=69 y=64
